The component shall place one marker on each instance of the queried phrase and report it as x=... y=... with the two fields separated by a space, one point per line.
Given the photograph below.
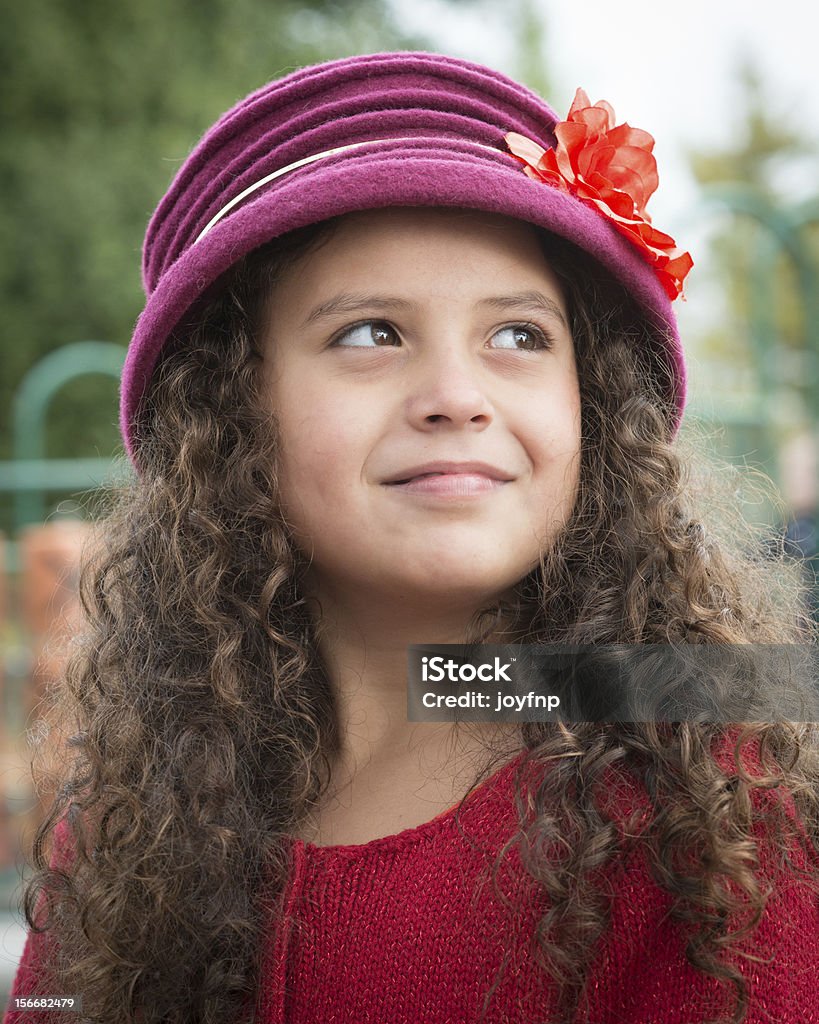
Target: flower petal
x=595 y=118
x=524 y=148
x=580 y=101
x=625 y=135
x=572 y=136
x=594 y=158
x=635 y=172
x=571 y=139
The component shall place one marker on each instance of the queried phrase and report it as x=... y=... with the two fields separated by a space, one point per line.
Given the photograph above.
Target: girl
x=408 y=373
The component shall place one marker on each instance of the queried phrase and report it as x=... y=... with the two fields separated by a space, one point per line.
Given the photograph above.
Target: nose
x=449 y=391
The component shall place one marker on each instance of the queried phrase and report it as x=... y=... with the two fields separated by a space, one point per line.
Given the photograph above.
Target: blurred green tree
x=530 y=39
x=101 y=102
x=760 y=164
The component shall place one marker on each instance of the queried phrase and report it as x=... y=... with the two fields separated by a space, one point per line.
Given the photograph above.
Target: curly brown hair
x=198 y=716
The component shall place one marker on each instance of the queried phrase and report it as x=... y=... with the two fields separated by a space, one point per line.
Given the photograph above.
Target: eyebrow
x=352 y=302
x=532 y=300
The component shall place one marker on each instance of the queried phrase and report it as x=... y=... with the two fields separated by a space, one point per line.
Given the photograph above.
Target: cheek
x=318 y=447
x=555 y=451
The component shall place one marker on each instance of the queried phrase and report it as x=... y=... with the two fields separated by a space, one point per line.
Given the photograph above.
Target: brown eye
x=521 y=336
x=369 y=334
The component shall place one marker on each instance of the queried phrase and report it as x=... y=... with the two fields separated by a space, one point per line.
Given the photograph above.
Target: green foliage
x=763 y=301
x=101 y=103
x=530 y=38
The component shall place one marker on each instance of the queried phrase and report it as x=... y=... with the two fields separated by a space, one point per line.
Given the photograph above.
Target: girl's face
x=422 y=372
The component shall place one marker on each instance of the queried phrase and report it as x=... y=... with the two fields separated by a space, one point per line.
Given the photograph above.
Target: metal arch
x=783 y=225
x=45 y=378
x=30 y=406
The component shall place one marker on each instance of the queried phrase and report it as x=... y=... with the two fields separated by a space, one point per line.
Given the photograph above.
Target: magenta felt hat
x=391 y=129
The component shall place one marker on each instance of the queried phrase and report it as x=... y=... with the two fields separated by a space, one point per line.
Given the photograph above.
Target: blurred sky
x=671 y=69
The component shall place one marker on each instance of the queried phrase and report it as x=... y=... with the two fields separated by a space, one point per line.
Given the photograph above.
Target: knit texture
x=409 y=928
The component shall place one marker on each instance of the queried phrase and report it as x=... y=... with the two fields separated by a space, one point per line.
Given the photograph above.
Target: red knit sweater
x=408 y=929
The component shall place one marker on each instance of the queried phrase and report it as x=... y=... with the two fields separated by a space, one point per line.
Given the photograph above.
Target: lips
x=449 y=468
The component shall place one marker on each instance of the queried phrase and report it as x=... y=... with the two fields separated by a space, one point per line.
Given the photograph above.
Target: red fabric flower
x=612 y=168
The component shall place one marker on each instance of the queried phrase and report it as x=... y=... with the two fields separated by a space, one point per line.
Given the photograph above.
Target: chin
x=477 y=592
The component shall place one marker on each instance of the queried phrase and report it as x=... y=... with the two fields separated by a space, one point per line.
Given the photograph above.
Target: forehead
x=418 y=247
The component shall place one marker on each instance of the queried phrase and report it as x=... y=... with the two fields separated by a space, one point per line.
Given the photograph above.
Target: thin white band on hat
x=301 y=163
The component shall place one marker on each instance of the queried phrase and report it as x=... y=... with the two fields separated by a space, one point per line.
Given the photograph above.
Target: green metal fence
x=29 y=475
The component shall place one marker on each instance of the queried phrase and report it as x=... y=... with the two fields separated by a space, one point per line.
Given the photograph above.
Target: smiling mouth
x=449 y=485
x=421 y=476
x=445 y=475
